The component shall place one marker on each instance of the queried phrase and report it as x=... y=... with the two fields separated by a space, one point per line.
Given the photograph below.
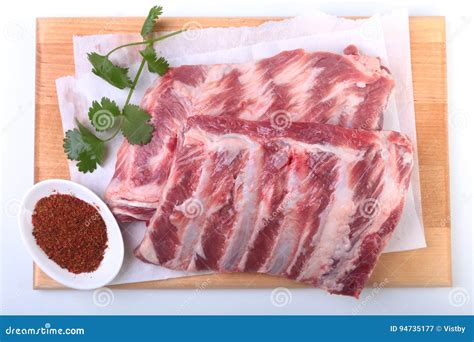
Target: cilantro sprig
x=85 y=147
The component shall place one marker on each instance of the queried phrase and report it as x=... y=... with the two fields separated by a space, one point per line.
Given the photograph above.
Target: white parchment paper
x=386 y=36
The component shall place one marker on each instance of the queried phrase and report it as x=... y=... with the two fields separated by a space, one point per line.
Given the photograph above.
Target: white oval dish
x=113 y=256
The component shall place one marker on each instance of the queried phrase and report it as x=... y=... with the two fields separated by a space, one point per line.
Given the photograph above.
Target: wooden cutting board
x=430 y=266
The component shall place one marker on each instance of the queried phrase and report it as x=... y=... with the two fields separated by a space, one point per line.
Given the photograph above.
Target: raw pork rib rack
x=349 y=90
x=311 y=202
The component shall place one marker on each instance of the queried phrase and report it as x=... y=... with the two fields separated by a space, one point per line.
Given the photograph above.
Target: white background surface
x=17 y=59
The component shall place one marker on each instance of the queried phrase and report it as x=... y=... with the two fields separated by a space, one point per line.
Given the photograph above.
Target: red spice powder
x=70 y=231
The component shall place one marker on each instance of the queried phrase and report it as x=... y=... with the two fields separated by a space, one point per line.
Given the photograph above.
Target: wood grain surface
x=430 y=266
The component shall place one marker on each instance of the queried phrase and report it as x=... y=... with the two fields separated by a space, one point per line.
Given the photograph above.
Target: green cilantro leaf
x=86 y=162
x=150 y=20
x=74 y=144
x=102 y=115
x=155 y=64
x=105 y=69
x=96 y=145
x=84 y=147
x=135 y=126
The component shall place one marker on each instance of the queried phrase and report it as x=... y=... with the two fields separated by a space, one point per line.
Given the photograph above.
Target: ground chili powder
x=70 y=231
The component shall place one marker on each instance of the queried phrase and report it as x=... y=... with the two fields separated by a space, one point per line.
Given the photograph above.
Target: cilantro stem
x=125 y=45
x=119 y=128
x=166 y=36
x=135 y=81
x=150 y=41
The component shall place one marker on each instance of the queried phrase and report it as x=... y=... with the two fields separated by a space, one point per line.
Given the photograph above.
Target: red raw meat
x=311 y=202
x=349 y=90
